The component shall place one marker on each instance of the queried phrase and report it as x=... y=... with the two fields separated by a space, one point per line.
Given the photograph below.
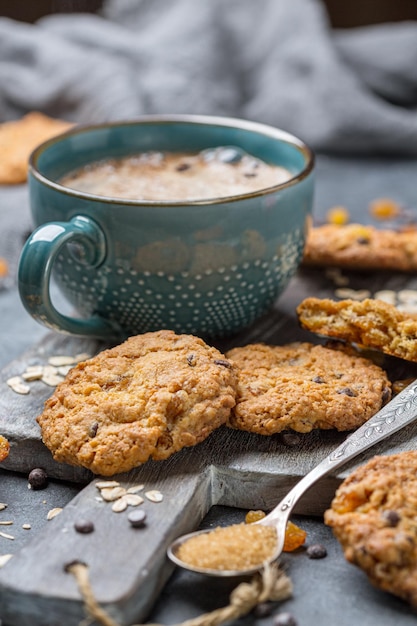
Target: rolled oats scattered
x=59 y=360
x=135 y=488
x=154 y=495
x=119 y=505
x=106 y=484
x=410 y=307
x=51 y=374
x=64 y=369
x=133 y=499
x=4 y=558
x=3 y=506
x=51 y=379
x=335 y=274
x=17 y=384
x=83 y=356
x=32 y=373
x=6 y=522
x=407 y=295
x=114 y=493
x=6 y=536
x=387 y=295
x=26 y=526
x=53 y=513
x=352 y=294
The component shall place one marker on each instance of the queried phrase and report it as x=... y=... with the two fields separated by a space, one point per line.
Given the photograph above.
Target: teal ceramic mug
x=206 y=267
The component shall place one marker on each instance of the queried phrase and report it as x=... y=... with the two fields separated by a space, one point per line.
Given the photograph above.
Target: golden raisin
x=338 y=215
x=384 y=208
x=4 y=268
x=294 y=537
x=4 y=448
x=254 y=516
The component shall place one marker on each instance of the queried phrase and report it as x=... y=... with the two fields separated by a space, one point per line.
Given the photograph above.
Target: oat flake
x=109 y=495
x=104 y=484
x=53 y=513
x=17 y=385
x=119 y=505
x=154 y=495
x=6 y=536
x=132 y=499
x=135 y=488
x=4 y=558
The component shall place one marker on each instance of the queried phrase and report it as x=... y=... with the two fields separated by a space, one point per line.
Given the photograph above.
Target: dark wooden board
x=230 y=468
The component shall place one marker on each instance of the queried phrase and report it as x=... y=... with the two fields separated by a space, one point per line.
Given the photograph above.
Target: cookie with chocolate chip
x=374 y=517
x=359 y=246
x=147 y=398
x=302 y=386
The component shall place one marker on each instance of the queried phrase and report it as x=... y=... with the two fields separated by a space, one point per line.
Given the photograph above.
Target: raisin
x=347 y=391
x=254 y=516
x=392 y=518
x=294 y=537
x=223 y=362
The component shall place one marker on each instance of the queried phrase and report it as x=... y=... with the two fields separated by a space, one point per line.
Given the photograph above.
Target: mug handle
x=35 y=268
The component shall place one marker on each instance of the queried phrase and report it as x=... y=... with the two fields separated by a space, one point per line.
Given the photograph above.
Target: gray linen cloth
x=276 y=61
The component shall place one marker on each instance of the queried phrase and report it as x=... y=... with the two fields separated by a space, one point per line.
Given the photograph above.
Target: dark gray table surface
x=327 y=591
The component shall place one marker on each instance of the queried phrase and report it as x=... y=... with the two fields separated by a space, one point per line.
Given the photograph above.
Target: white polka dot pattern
x=213 y=302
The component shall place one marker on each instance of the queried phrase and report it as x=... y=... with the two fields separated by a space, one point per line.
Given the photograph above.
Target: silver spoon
x=399 y=412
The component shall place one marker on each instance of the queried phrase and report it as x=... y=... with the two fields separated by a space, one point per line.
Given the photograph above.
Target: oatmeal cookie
x=146 y=398
x=18 y=138
x=304 y=386
x=357 y=246
x=370 y=323
x=374 y=517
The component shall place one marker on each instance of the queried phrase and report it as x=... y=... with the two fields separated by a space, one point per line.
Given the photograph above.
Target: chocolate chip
x=84 y=526
x=290 y=439
x=316 y=551
x=250 y=174
x=392 y=518
x=93 y=428
x=284 y=619
x=386 y=394
x=318 y=379
x=223 y=363
x=347 y=391
x=182 y=167
x=362 y=240
x=38 y=478
x=191 y=360
x=137 y=518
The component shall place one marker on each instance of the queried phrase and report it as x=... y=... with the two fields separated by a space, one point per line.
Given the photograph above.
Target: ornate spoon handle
x=399 y=412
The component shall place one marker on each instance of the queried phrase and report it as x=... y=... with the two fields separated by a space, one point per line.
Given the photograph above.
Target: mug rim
x=203 y=120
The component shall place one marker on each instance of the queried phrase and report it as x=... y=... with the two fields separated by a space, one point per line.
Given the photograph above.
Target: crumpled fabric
x=275 y=61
